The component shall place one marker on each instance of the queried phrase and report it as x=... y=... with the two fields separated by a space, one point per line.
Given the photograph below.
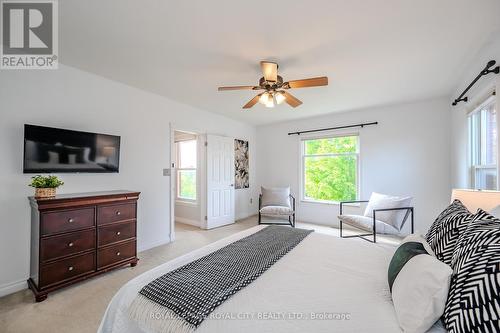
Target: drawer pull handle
x=70 y=268
x=118 y=213
x=70 y=244
x=70 y=220
x=118 y=233
x=118 y=254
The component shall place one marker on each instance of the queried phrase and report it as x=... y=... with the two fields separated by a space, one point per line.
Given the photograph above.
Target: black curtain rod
x=485 y=71
x=333 y=128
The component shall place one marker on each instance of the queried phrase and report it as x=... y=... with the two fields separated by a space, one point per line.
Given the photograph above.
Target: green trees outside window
x=331 y=168
x=187 y=184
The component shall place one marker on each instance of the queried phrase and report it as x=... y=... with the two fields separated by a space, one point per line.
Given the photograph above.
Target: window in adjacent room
x=330 y=168
x=186 y=170
x=483 y=146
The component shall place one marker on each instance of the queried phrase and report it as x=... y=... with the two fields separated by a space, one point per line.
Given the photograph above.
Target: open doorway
x=186 y=177
x=202 y=181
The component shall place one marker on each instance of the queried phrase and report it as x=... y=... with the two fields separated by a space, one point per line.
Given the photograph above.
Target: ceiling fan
x=275 y=88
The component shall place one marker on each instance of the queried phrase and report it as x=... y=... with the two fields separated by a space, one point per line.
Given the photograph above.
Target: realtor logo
x=29 y=34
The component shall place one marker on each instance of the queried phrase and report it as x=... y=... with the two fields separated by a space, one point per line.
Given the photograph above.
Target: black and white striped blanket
x=184 y=297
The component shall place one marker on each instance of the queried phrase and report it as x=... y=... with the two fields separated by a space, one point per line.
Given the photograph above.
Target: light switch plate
x=166 y=172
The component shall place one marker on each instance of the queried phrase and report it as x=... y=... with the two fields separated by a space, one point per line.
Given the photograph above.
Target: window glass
x=187 y=154
x=483 y=147
x=336 y=145
x=186 y=170
x=187 y=184
x=330 y=169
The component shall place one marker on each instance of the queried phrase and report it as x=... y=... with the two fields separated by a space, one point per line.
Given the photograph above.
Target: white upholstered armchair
x=384 y=214
x=277 y=204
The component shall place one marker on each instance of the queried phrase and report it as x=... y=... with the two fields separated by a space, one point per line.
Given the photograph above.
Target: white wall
x=74 y=99
x=458 y=114
x=406 y=154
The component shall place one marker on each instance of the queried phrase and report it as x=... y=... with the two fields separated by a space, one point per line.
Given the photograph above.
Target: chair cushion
x=419 y=284
x=276 y=210
x=276 y=196
x=382 y=201
x=366 y=223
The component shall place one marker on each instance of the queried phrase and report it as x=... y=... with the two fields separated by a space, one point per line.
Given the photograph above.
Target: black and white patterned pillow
x=444 y=232
x=473 y=303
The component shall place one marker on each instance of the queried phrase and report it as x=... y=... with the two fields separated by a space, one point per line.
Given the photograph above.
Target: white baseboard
x=10 y=288
x=188 y=221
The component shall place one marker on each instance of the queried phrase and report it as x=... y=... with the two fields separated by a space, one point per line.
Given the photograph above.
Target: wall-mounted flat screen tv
x=55 y=150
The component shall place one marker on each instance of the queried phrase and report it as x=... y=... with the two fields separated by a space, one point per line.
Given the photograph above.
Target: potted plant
x=45 y=186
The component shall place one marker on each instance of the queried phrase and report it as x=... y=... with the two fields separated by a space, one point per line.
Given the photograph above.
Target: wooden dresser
x=77 y=236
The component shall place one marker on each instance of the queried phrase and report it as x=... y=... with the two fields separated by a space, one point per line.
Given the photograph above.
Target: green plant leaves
x=40 y=181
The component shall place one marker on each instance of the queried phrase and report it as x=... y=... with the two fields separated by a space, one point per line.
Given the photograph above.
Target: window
x=186 y=170
x=483 y=146
x=330 y=168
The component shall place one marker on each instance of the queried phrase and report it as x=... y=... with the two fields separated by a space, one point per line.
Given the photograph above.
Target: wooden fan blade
x=252 y=102
x=291 y=100
x=270 y=71
x=312 y=82
x=239 y=88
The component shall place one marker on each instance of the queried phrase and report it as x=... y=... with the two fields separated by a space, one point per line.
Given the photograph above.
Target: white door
x=220 y=181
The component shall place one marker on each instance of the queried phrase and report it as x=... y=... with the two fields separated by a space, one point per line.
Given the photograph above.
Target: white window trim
x=181 y=200
x=301 y=140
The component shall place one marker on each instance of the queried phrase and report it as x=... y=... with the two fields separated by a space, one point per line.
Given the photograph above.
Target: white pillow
x=381 y=201
x=420 y=289
x=277 y=196
x=496 y=212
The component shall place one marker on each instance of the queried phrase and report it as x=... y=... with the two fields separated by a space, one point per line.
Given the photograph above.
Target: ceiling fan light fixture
x=267 y=99
x=275 y=89
x=264 y=98
x=280 y=97
x=270 y=100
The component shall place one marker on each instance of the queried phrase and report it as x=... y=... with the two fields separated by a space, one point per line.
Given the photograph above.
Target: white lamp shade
x=280 y=98
x=264 y=98
x=474 y=199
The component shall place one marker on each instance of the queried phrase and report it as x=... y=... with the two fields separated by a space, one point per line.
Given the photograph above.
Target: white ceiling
x=374 y=52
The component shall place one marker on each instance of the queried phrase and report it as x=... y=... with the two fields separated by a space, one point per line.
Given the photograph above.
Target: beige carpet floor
x=79 y=308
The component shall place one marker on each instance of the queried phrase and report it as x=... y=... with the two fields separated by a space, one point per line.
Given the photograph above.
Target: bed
x=325 y=284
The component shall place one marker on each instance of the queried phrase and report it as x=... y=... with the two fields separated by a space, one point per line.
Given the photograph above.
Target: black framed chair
x=362 y=221
x=278 y=212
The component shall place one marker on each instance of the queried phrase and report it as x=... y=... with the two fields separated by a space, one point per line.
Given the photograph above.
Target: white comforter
x=325 y=284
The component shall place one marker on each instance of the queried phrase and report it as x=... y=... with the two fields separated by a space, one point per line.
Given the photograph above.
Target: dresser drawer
x=116 y=253
x=64 y=245
x=113 y=233
x=115 y=213
x=66 y=269
x=68 y=220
